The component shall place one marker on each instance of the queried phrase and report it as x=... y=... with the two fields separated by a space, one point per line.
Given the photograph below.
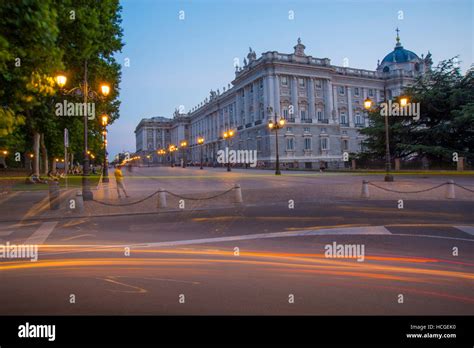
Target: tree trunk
x=53 y=166
x=44 y=155
x=36 y=158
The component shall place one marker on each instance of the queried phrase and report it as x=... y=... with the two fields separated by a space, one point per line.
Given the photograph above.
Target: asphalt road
x=187 y=262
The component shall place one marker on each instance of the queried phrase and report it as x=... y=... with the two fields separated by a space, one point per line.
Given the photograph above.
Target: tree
x=445 y=125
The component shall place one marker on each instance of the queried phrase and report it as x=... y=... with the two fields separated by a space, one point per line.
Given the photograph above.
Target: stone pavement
x=258 y=187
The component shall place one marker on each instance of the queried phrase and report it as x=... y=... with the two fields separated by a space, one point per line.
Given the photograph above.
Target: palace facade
x=321 y=103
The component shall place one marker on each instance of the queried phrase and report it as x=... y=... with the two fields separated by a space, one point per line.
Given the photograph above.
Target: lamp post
x=227 y=135
x=368 y=106
x=162 y=153
x=86 y=92
x=172 y=148
x=183 y=145
x=200 y=142
x=276 y=125
x=105 y=169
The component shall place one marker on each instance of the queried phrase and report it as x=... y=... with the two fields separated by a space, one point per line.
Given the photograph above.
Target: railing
x=324 y=120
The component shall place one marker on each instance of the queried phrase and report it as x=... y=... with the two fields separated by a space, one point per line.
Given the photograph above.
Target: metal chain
x=154 y=193
x=465 y=188
x=389 y=190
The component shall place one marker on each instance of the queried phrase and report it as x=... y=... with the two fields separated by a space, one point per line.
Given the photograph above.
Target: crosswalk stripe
x=42 y=233
x=467 y=229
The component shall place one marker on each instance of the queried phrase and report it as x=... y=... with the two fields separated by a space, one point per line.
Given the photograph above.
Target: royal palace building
x=323 y=105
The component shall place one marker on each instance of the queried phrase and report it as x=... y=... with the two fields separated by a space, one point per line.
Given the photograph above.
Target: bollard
x=238 y=194
x=79 y=202
x=161 y=198
x=450 y=189
x=365 y=189
x=53 y=195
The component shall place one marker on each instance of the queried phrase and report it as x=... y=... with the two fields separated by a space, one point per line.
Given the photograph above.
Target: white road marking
x=42 y=233
x=467 y=229
x=366 y=230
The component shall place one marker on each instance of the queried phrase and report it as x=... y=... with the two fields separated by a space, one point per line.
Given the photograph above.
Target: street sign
x=66 y=138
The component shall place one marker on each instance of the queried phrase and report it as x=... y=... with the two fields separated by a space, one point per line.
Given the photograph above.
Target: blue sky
x=177 y=62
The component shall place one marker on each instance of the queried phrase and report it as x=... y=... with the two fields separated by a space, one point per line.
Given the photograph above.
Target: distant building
x=322 y=104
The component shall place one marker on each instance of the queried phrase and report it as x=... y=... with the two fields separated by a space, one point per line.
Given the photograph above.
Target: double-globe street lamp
x=275 y=125
x=105 y=168
x=227 y=135
x=183 y=145
x=162 y=153
x=200 y=141
x=86 y=92
x=172 y=148
x=368 y=106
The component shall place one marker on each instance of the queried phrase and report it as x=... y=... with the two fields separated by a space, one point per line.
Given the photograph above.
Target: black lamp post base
x=388 y=178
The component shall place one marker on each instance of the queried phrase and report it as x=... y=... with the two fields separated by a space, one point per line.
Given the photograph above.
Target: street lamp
x=201 y=142
x=276 y=125
x=172 y=148
x=105 y=169
x=86 y=93
x=368 y=105
x=162 y=153
x=183 y=145
x=227 y=135
x=403 y=101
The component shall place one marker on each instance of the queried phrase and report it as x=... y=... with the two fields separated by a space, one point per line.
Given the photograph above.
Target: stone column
x=311 y=100
x=237 y=108
x=328 y=102
x=349 y=106
x=256 y=108
x=334 y=116
x=294 y=97
x=246 y=104
x=266 y=97
x=276 y=90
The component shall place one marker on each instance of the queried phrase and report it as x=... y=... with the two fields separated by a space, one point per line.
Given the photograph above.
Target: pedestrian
x=119 y=180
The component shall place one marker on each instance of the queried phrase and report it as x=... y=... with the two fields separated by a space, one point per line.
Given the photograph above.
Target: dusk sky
x=177 y=62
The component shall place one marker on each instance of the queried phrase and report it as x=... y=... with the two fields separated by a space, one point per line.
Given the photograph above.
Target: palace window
x=358 y=118
x=303 y=113
x=320 y=114
x=289 y=129
x=284 y=81
x=306 y=129
x=307 y=143
x=290 y=144
x=343 y=117
x=285 y=112
x=342 y=90
x=301 y=82
x=371 y=92
x=356 y=91
x=318 y=83
x=345 y=144
x=324 y=143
